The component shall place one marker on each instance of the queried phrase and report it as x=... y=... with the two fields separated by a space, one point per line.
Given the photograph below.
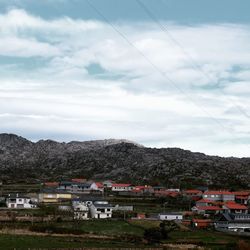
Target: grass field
x=10 y=242
x=104 y=227
x=209 y=239
x=116 y=234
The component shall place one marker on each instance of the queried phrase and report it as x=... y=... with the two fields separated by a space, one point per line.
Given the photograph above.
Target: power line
x=162 y=73
x=194 y=64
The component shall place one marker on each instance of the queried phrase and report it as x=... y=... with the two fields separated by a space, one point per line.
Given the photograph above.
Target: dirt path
x=30 y=233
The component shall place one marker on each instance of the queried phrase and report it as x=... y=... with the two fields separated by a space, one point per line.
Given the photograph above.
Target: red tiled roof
x=205 y=201
x=236 y=206
x=218 y=192
x=142 y=187
x=202 y=220
x=241 y=197
x=167 y=193
x=99 y=184
x=79 y=180
x=121 y=185
x=209 y=208
x=241 y=193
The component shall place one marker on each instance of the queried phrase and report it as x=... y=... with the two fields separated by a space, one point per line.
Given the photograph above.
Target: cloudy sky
x=166 y=73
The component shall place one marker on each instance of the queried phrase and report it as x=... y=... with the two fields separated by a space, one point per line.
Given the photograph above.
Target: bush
x=156 y=234
x=153 y=235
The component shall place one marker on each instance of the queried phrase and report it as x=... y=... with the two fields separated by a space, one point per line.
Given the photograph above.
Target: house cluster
x=83 y=186
x=230 y=210
x=223 y=209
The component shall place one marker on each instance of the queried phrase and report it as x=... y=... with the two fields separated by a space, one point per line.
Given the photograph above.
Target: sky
x=165 y=73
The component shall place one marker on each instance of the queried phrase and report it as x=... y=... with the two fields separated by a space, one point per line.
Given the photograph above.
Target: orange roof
x=121 y=185
x=202 y=220
x=218 y=192
x=236 y=206
x=205 y=201
x=99 y=184
x=242 y=193
x=80 y=180
x=241 y=197
x=167 y=193
x=142 y=187
x=209 y=208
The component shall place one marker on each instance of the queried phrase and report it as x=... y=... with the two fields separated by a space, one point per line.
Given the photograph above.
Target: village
x=80 y=199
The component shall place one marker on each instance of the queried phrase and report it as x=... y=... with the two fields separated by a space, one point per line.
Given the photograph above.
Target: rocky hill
x=121 y=160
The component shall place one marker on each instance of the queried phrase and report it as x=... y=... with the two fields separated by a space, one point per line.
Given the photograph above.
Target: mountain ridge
x=121 y=160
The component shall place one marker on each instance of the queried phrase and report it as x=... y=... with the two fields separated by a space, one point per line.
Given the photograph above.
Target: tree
x=156 y=234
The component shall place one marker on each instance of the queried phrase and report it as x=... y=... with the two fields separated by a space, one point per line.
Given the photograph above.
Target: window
x=102 y=210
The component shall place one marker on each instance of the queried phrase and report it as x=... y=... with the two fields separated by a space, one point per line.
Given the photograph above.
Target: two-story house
x=233 y=222
x=81 y=211
x=101 y=210
x=232 y=207
x=17 y=201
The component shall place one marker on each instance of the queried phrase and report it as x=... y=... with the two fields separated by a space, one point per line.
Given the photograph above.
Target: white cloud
x=59 y=97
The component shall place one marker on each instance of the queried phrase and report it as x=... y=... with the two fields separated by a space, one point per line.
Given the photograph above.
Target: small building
x=193 y=194
x=99 y=186
x=170 y=216
x=242 y=197
x=53 y=196
x=101 y=210
x=207 y=210
x=204 y=202
x=78 y=187
x=234 y=208
x=121 y=187
x=221 y=195
x=17 y=201
x=79 y=180
x=108 y=184
x=81 y=212
x=233 y=222
x=202 y=223
x=166 y=193
x=51 y=184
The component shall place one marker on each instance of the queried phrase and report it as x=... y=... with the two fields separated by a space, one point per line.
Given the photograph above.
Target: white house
x=170 y=216
x=108 y=184
x=121 y=187
x=17 y=201
x=219 y=195
x=233 y=222
x=81 y=212
x=100 y=210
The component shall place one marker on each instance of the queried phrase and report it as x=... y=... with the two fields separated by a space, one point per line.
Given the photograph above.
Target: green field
x=115 y=234
x=208 y=239
x=104 y=227
x=10 y=242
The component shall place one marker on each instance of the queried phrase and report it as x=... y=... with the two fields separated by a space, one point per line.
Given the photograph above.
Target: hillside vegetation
x=120 y=160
